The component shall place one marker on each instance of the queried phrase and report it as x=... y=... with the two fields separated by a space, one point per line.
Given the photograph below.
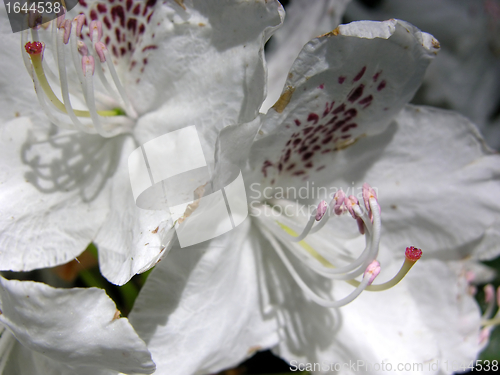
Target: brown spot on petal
x=284 y=99
x=117 y=315
x=156 y=230
x=334 y=32
x=181 y=3
x=435 y=44
x=253 y=349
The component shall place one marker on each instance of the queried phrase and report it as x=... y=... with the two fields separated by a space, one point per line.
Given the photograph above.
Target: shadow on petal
x=66 y=161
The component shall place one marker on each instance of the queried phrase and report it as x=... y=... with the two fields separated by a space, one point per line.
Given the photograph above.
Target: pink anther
x=95 y=26
x=489 y=293
x=67 y=31
x=372 y=271
x=82 y=48
x=320 y=212
x=87 y=64
x=369 y=193
x=349 y=203
x=60 y=19
x=101 y=49
x=339 y=207
x=80 y=20
x=470 y=276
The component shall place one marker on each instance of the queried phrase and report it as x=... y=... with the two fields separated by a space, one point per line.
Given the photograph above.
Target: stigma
x=332 y=260
x=88 y=95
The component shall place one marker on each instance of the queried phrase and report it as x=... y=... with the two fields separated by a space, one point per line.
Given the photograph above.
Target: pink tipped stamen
x=88 y=65
x=95 y=31
x=100 y=49
x=489 y=298
x=339 y=207
x=60 y=19
x=69 y=40
x=489 y=293
x=349 y=203
x=67 y=31
x=369 y=193
x=321 y=261
x=360 y=287
x=82 y=48
x=352 y=205
x=372 y=271
x=80 y=21
x=470 y=276
x=413 y=254
x=321 y=210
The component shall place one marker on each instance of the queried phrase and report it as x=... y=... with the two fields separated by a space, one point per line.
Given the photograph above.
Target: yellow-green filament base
x=36 y=60
x=407 y=265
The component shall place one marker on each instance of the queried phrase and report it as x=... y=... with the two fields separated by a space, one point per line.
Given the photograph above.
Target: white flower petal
x=343 y=86
x=437 y=195
x=466 y=74
x=201 y=309
x=52 y=202
x=304 y=20
x=199 y=64
x=130 y=240
x=63 y=190
x=76 y=327
x=22 y=361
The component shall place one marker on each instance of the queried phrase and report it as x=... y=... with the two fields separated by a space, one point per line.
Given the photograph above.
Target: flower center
x=108 y=111
x=322 y=260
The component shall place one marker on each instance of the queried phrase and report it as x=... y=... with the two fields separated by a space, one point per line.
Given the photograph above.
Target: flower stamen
x=36 y=60
x=321 y=260
x=370 y=273
x=487 y=321
x=412 y=254
x=65 y=32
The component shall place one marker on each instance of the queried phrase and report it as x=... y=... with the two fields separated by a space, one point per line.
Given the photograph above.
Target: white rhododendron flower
x=142 y=69
x=276 y=281
x=165 y=65
x=44 y=330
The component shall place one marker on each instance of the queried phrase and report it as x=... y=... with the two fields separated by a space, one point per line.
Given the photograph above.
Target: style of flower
x=107 y=79
x=341 y=120
x=44 y=330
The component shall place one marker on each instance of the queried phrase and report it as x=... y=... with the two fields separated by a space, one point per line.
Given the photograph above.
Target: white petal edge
x=79 y=328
